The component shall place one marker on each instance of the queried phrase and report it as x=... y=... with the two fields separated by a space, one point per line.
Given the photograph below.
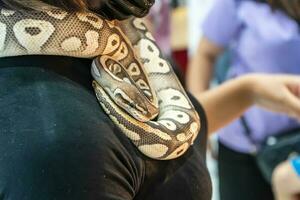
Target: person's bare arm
x=223 y=104
x=201 y=67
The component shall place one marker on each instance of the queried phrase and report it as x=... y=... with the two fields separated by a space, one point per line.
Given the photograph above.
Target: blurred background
x=210 y=41
x=176 y=26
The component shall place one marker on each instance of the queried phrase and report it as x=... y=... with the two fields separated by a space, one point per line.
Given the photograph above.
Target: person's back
x=57 y=142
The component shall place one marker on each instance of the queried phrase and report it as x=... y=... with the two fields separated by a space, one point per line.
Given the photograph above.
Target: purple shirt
x=260 y=40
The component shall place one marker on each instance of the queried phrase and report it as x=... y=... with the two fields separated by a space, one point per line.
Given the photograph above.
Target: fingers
x=292 y=100
x=295 y=89
x=289 y=79
x=293 y=103
x=285 y=180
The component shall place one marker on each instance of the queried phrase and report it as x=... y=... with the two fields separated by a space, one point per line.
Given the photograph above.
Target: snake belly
x=134 y=84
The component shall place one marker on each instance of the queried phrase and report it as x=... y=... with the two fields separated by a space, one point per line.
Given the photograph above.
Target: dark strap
x=245 y=125
x=248 y=132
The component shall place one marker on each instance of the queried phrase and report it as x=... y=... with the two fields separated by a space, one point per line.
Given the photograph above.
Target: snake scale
x=134 y=84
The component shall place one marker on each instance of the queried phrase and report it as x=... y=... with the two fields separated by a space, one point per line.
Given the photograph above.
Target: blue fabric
x=296 y=165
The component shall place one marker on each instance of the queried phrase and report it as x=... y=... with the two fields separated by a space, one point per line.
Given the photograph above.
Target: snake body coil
x=133 y=83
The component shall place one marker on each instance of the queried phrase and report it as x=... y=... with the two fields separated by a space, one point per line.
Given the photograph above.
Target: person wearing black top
x=57 y=143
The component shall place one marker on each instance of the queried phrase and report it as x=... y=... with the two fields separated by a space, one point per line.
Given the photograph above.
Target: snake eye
x=131 y=104
x=142 y=110
x=137 y=107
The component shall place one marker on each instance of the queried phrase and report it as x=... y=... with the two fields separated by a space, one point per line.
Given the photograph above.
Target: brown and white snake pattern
x=134 y=84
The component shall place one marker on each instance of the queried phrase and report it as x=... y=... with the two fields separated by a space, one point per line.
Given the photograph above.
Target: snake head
x=117 y=83
x=135 y=104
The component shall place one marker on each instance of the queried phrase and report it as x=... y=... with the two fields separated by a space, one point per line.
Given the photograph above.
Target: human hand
x=279 y=93
x=223 y=104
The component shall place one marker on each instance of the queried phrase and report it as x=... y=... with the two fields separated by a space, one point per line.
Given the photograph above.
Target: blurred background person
x=197 y=12
x=158 y=21
x=286 y=180
x=261 y=36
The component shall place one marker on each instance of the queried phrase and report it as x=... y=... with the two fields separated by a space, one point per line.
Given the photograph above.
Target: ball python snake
x=134 y=84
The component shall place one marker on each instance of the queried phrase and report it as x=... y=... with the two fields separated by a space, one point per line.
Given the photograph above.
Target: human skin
x=278 y=93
